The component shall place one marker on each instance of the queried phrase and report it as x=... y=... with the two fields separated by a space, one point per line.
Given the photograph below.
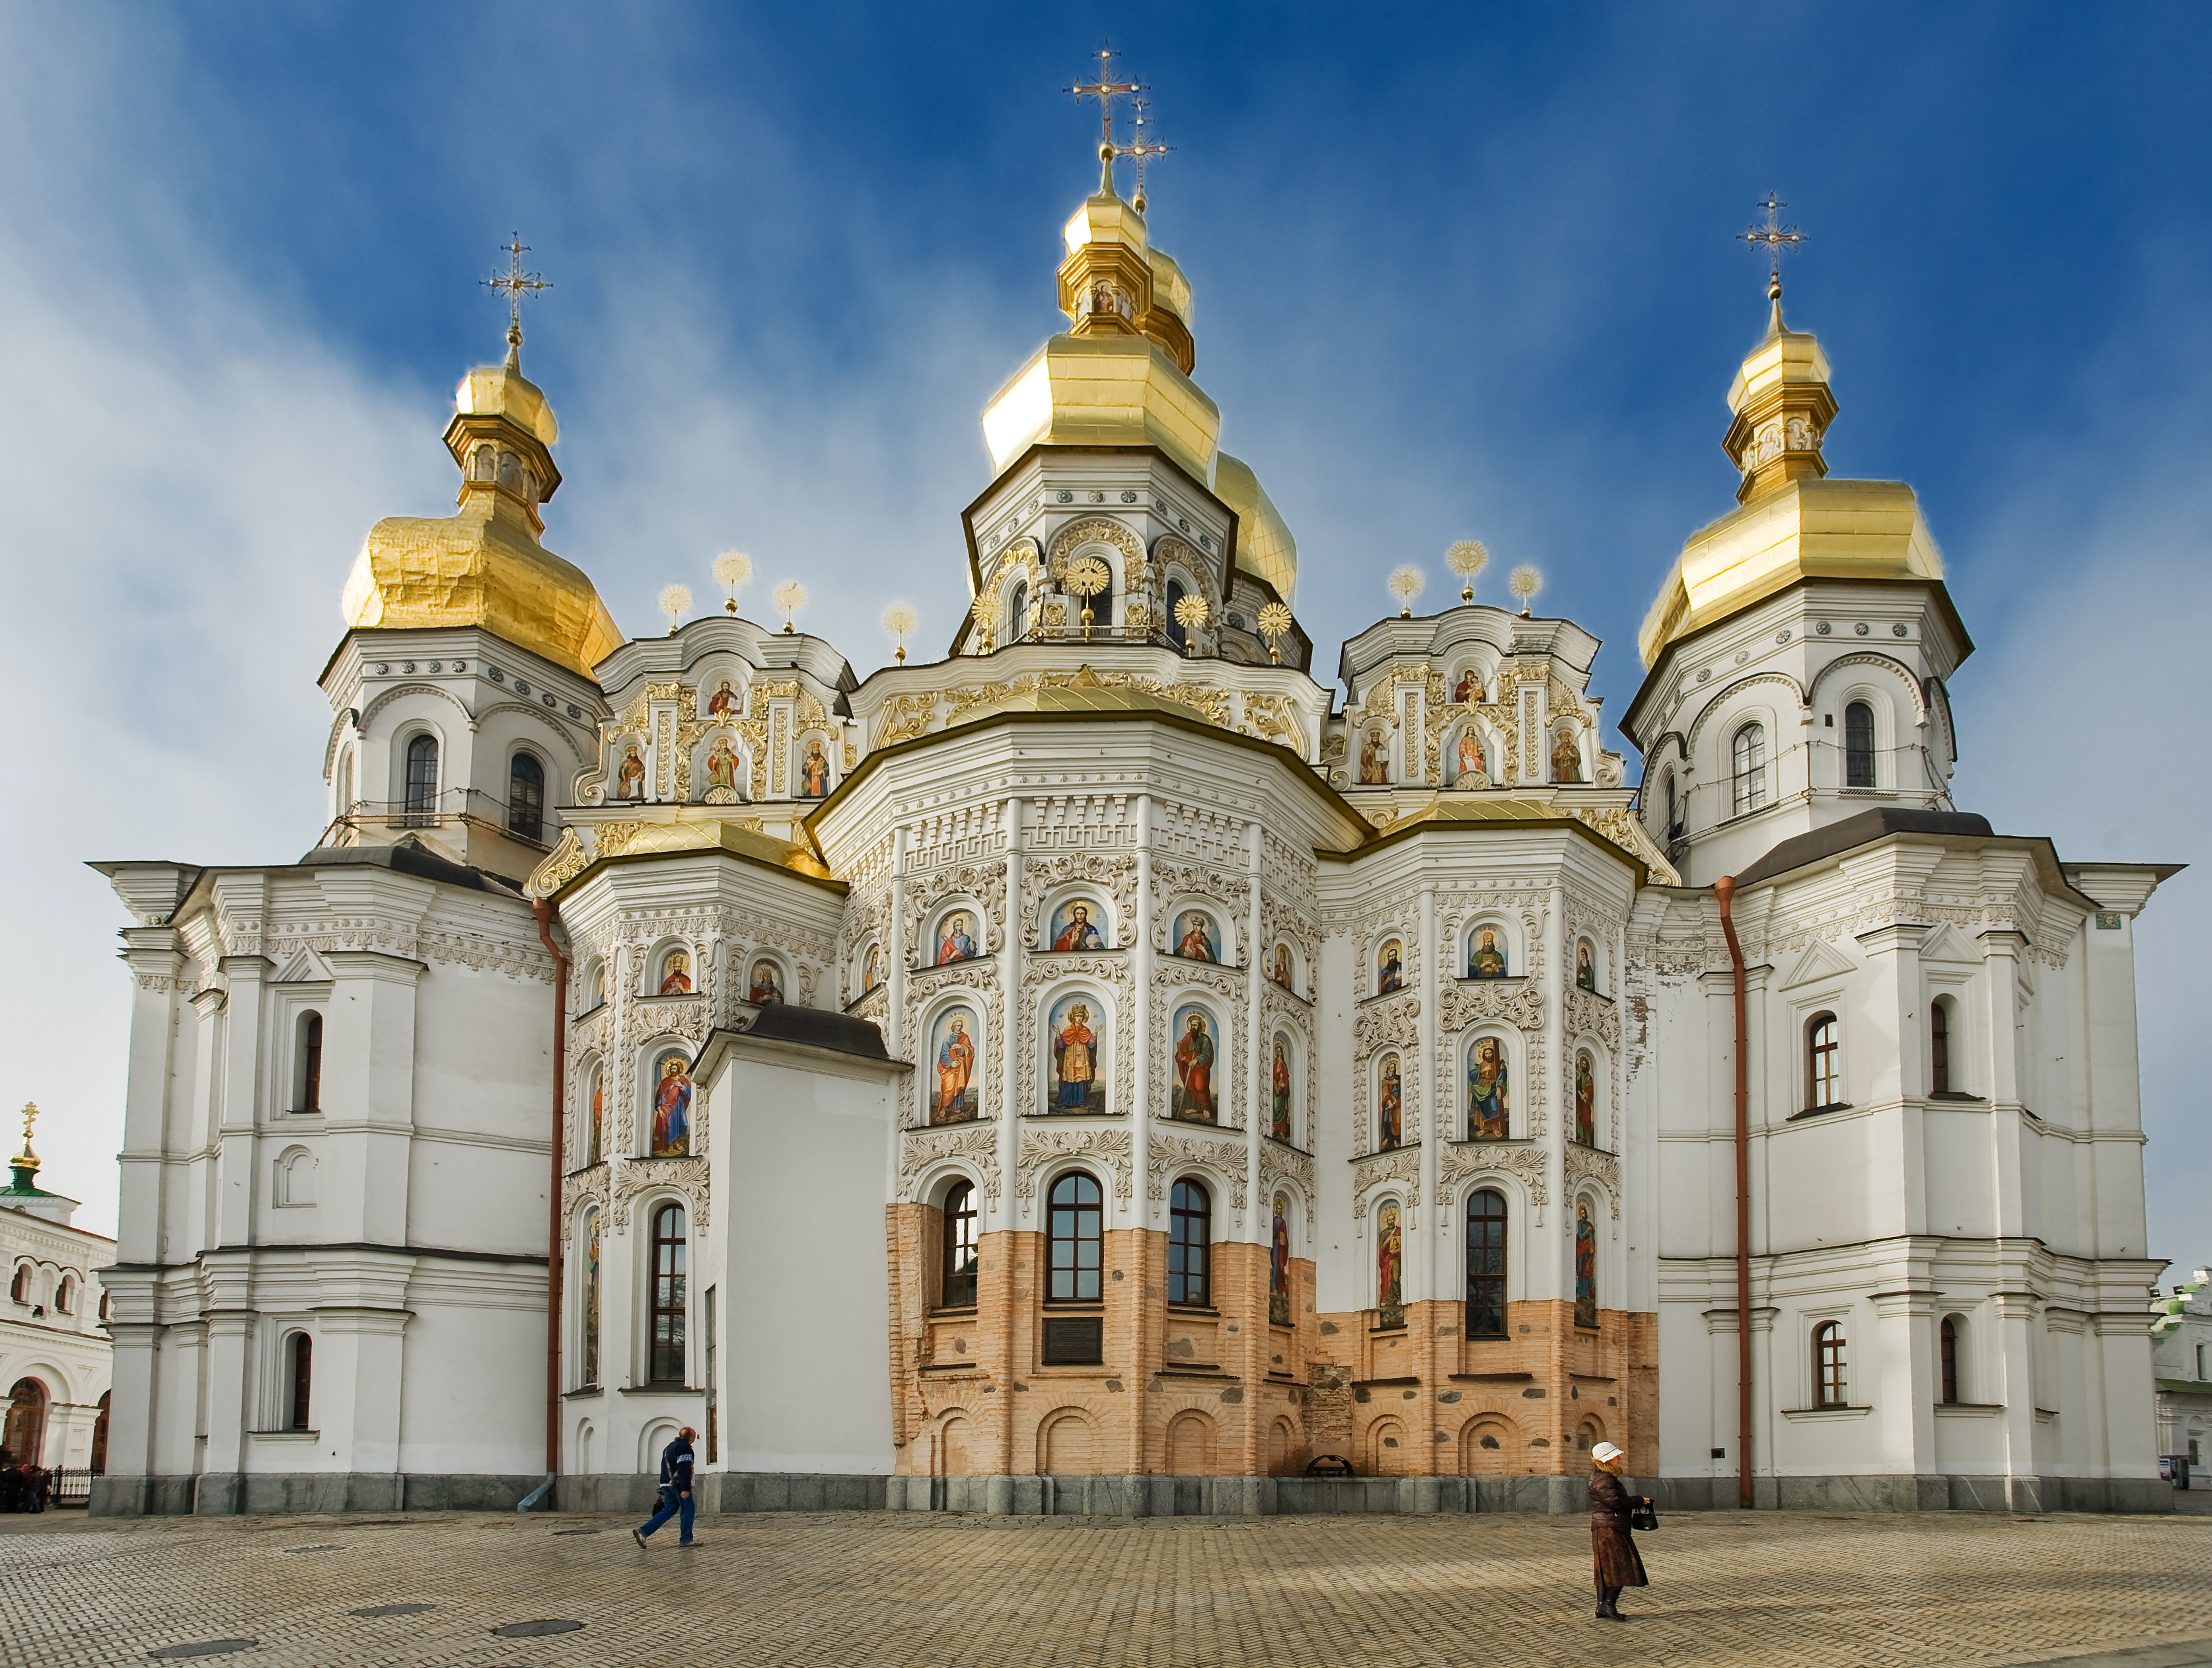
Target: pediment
x=1821 y=961
x=1948 y=943
x=306 y=967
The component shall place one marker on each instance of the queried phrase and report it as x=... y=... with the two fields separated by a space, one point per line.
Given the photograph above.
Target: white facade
x=54 y=1364
x=2181 y=1356
x=735 y=1130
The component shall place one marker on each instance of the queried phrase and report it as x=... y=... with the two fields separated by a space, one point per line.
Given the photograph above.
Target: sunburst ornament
x=1275 y=623
x=986 y=611
x=1190 y=613
x=1466 y=558
x=790 y=598
x=675 y=602
x=1086 y=577
x=1527 y=580
x=732 y=569
x=1406 y=584
x=898 y=620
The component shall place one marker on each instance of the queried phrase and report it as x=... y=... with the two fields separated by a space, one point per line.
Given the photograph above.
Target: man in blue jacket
x=675 y=1491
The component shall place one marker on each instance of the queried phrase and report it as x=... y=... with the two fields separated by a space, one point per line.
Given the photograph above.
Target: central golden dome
x=485 y=566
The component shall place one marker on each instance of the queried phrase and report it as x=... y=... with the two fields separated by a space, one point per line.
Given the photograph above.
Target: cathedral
x=1109 y=1068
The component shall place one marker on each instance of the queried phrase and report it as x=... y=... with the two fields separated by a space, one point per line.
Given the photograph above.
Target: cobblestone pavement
x=1772 y=1590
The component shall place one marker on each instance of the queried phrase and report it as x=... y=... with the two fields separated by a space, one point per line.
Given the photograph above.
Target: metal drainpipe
x=549 y=915
x=1724 y=893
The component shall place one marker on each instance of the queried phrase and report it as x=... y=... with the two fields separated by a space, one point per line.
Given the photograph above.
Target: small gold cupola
x=485 y=566
x=1781 y=407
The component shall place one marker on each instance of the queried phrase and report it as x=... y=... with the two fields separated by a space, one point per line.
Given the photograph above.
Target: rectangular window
x=714 y=1446
x=1939 y=1048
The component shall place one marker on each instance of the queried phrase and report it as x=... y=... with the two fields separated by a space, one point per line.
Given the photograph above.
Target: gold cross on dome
x=1106 y=89
x=1774 y=239
x=517 y=284
x=1143 y=150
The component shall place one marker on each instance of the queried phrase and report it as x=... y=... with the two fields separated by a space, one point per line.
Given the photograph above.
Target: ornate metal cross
x=516 y=283
x=1773 y=240
x=1106 y=89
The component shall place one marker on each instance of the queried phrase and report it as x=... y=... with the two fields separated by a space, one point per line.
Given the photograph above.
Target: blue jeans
x=669 y=1508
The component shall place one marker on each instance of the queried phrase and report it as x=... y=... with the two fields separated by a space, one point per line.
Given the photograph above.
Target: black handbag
x=1644 y=1518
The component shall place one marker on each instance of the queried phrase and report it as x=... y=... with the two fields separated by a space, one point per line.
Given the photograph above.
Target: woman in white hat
x=1612 y=1548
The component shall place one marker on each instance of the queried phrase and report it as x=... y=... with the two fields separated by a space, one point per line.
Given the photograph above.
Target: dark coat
x=676 y=1466
x=1612 y=1548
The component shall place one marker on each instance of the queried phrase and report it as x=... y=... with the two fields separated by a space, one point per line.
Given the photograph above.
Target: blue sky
x=1459 y=270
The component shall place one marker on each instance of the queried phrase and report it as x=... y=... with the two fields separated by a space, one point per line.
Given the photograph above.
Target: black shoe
x=1612 y=1613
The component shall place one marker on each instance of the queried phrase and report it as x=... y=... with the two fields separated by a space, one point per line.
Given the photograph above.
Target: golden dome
x=1264 y=546
x=1795 y=523
x=485 y=566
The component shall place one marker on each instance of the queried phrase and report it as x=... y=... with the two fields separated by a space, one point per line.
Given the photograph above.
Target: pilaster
x=369 y=1101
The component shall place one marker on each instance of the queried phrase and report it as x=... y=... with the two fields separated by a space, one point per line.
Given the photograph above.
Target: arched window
x=1018 y=612
x=300 y=1371
x=20 y=1287
x=1750 y=768
x=526 y=797
x=1828 y=1375
x=1190 y=1245
x=958 y=1287
x=98 y=1466
x=667 y=1342
x=24 y=1434
x=592 y=1288
x=66 y=1295
x=1939 y=1049
x=422 y=781
x=1823 y=1073
x=345 y=784
x=1947 y=1337
x=310 y=1096
x=106 y=1308
x=1676 y=809
x=1176 y=634
x=1076 y=1220
x=1485 y=1263
x=595 y=1118
x=1858 y=745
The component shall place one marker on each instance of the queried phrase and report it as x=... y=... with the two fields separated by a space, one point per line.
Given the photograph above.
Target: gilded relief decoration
x=1043 y=1145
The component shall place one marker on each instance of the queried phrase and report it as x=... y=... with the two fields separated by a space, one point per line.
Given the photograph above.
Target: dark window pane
x=1190 y=1235
x=1075 y=1228
x=1858 y=745
x=1485 y=1264
x=959 y=1271
x=668 y=1300
x=526 y=797
x=421 y=780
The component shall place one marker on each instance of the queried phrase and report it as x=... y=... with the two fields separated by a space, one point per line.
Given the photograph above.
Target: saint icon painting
x=956 y=938
x=1585 y=965
x=671 y=1105
x=765 y=986
x=1585 y=1099
x=1389 y=1263
x=676 y=975
x=1469 y=764
x=1585 y=1265
x=1278 y=1264
x=1390 y=967
x=1199 y=940
x=1484 y=960
x=952 y=1050
x=629 y=778
x=1193 y=1097
x=814 y=772
x=722 y=766
x=1390 y=1105
x=1282 y=974
x=1489 y=1108
x=1074 y=925
x=872 y=968
x=722 y=700
x=1075 y=1082
x=1279 y=1083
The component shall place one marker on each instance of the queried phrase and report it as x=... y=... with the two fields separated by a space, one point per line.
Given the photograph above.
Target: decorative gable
x=306 y=967
x=1822 y=961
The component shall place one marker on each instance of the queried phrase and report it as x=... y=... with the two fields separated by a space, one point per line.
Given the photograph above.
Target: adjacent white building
x=54 y=1352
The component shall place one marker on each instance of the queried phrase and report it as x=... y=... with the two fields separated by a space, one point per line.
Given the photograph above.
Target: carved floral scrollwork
x=1279 y=1164
x=1112 y=1148
x=1586 y=1164
x=1403 y=1165
x=637 y=1175
x=578 y=1188
x=1226 y=1158
x=1465 y=1160
x=984 y=882
x=921 y=1149
x=1504 y=1002
x=1593 y=1016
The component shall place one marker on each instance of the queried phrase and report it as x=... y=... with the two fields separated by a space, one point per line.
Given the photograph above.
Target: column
x=368 y=1096
x=1905 y=1386
x=1253 y=1298
x=1436 y=1115
x=2016 y=1312
x=894 y=951
x=1137 y=934
x=1000 y=1489
x=227 y=1381
x=237 y=1103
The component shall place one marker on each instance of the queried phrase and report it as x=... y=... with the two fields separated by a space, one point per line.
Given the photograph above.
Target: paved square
x=896 y=1589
